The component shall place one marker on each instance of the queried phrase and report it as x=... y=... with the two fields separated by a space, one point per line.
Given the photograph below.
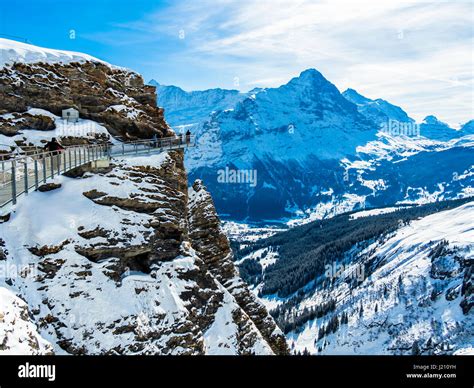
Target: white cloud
x=416 y=54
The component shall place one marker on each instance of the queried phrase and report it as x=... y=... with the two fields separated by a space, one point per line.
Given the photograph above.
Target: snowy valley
x=390 y=282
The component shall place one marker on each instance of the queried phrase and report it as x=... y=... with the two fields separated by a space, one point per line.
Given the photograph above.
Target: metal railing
x=150 y=146
x=23 y=172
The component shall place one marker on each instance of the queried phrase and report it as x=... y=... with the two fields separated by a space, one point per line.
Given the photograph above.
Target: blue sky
x=416 y=54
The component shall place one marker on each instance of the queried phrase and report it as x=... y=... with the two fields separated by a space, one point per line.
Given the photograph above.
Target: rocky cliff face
x=213 y=246
x=116 y=260
x=115 y=97
x=132 y=264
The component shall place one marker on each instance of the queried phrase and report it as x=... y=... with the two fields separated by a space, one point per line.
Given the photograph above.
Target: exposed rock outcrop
x=19 y=121
x=213 y=247
x=115 y=97
x=144 y=269
x=49 y=187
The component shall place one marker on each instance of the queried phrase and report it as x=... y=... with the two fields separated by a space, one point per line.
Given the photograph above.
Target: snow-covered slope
x=378 y=110
x=406 y=292
x=83 y=129
x=411 y=302
x=189 y=108
x=12 y=51
x=432 y=128
x=109 y=271
x=18 y=333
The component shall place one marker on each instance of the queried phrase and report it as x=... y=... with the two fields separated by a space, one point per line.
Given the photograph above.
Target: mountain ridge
x=303 y=141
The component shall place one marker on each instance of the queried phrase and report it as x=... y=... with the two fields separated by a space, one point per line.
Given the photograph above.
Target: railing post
x=64 y=161
x=80 y=158
x=70 y=159
x=13 y=182
x=36 y=175
x=44 y=169
x=123 y=149
x=75 y=157
x=59 y=162
x=52 y=165
x=25 y=167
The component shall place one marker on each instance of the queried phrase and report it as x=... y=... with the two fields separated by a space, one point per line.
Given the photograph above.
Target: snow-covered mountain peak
x=433 y=120
x=311 y=80
x=12 y=51
x=468 y=128
x=184 y=108
x=310 y=75
x=433 y=128
x=306 y=128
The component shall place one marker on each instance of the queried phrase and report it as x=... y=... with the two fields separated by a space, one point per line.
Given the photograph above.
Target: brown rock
x=91 y=88
x=49 y=187
x=214 y=248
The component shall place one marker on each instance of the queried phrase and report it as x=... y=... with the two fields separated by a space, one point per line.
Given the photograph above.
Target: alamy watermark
x=335 y=271
x=396 y=128
x=238 y=176
x=35 y=371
